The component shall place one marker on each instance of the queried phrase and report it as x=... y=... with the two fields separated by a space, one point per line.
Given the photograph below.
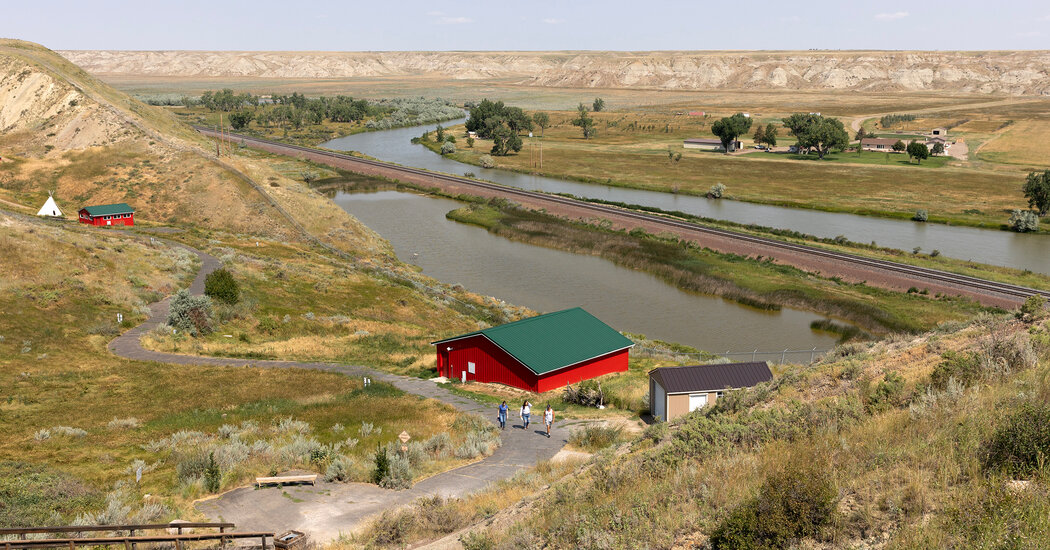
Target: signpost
x=404 y=437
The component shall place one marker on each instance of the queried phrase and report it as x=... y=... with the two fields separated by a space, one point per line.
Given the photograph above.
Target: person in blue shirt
x=502 y=415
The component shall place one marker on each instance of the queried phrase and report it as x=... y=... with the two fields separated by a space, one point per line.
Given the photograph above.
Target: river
x=549 y=280
x=966 y=243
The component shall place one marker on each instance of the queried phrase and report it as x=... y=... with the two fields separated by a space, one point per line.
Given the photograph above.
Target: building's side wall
x=677 y=405
x=491 y=364
x=606 y=364
x=657 y=400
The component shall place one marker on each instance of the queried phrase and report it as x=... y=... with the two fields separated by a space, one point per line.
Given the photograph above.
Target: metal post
x=754 y=355
x=783 y=356
x=813 y=354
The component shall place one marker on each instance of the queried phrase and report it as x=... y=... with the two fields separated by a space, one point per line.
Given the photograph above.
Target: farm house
x=537 y=354
x=108 y=214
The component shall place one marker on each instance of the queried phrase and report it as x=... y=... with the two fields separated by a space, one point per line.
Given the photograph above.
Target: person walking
x=525 y=413
x=548 y=419
x=502 y=415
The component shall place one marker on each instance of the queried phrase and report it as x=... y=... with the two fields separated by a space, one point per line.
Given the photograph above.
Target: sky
x=353 y=25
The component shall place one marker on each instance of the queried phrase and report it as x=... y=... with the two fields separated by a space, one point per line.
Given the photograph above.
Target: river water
x=966 y=243
x=549 y=280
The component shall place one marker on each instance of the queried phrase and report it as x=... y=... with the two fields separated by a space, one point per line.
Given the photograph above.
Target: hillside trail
x=327 y=510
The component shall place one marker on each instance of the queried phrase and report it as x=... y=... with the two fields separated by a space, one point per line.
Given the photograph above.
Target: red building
x=108 y=214
x=537 y=354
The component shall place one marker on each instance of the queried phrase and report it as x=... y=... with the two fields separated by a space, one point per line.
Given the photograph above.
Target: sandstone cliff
x=1003 y=72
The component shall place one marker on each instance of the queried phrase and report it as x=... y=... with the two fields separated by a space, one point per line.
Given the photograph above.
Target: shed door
x=658 y=402
x=697 y=401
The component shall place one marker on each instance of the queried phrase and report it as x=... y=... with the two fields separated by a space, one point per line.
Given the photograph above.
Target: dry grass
x=1020 y=143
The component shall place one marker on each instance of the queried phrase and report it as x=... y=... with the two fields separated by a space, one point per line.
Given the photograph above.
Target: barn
x=537 y=354
x=108 y=214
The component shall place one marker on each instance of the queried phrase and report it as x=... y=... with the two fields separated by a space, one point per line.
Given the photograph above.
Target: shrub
x=587 y=393
x=486 y=161
x=921 y=215
x=656 y=432
x=382 y=466
x=1034 y=306
x=886 y=394
x=212 y=475
x=123 y=423
x=596 y=438
x=1023 y=221
x=448 y=148
x=793 y=503
x=339 y=469
x=716 y=191
x=965 y=368
x=1021 y=446
x=220 y=285
x=439 y=446
x=189 y=313
x=477 y=540
x=481 y=442
x=399 y=472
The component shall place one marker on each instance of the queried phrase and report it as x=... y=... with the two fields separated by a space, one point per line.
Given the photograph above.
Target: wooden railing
x=23 y=531
x=129 y=541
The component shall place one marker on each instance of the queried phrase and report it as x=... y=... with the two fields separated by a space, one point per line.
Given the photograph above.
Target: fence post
x=754 y=355
x=783 y=356
x=813 y=354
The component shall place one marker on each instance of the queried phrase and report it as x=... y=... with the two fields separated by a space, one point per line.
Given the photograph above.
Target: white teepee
x=50 y=208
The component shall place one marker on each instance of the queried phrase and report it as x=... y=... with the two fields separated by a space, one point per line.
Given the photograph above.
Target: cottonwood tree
x=1037 y=191
x=938 y=149
x=729 y=128
x=543 y=120
x=918 y=151
x=240 y=120
x=899 y=146
x=817 y=132
x=598 y=105
x=584 y=121
x=505 y=140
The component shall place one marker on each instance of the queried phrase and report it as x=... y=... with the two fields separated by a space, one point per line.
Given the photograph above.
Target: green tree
x=760 y=134
x=543 y=120
x=505 y=140
x=817 y=132
x=937 y=149
x=770 y=137
x=220 y=285
x=584 y=121
x=440 y=133
x=212 y=475
x=470 y=142
x=1037 y=191
x=899 y=146
x=240 y=120
x=861 y=134
x=598 y=105
x=729 y=128
x=918 y=151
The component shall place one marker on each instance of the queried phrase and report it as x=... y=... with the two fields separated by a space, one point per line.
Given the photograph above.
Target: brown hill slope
x=1010 y=72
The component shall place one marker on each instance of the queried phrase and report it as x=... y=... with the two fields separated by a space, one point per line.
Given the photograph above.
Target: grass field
x=951 y=195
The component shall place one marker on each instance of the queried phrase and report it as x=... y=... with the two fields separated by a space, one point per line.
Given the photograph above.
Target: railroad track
x=923 y=273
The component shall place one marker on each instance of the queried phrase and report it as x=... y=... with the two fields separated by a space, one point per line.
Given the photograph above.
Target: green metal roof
x=552 y=341
x=109 y=209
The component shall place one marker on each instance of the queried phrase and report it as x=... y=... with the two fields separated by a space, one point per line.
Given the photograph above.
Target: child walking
x=502 y=415
x=525 y=413
x=548 y=419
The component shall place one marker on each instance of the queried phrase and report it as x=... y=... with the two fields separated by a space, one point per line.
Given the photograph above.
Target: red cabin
x=108 y=214
x=537 y=354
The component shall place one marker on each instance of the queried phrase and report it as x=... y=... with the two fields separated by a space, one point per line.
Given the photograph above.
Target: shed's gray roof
x=711 y=377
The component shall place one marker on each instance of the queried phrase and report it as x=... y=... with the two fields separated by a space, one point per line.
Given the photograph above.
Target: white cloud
x=450 y=20
x=891 y=16
x=553 y=21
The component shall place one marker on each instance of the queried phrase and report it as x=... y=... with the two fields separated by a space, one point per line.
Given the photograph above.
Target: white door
x=697 y=401
x=659 y=402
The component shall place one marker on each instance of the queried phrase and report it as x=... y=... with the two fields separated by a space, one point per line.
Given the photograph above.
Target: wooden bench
x=281 y=480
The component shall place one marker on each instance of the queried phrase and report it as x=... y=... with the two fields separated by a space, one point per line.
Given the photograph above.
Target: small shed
x=108 y=214
x=675 y=391
x=537 y=354
x=940 y=132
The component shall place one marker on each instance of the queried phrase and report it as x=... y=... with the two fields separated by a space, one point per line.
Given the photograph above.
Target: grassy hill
x=80 y=421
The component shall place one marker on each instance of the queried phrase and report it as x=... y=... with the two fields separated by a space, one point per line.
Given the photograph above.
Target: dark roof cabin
x=674 y=391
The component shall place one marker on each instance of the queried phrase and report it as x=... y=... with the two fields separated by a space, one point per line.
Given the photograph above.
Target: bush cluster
x=190 y=313
x=793 y=503
x=596 y=438
x=716 y=191
x=921 y=215
x=1023 y=221
x=221 y=286
x=1021 y=446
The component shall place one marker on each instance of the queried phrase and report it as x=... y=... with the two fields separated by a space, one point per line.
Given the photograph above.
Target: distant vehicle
x=759 y=147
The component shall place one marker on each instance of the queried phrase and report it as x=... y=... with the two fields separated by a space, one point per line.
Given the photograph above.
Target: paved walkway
x=328 y=509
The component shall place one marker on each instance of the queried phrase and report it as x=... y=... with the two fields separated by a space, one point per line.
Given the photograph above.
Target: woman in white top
x=548 y=419
x=525 y=413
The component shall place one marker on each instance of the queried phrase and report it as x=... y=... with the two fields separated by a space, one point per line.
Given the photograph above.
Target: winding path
x=328 y=509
